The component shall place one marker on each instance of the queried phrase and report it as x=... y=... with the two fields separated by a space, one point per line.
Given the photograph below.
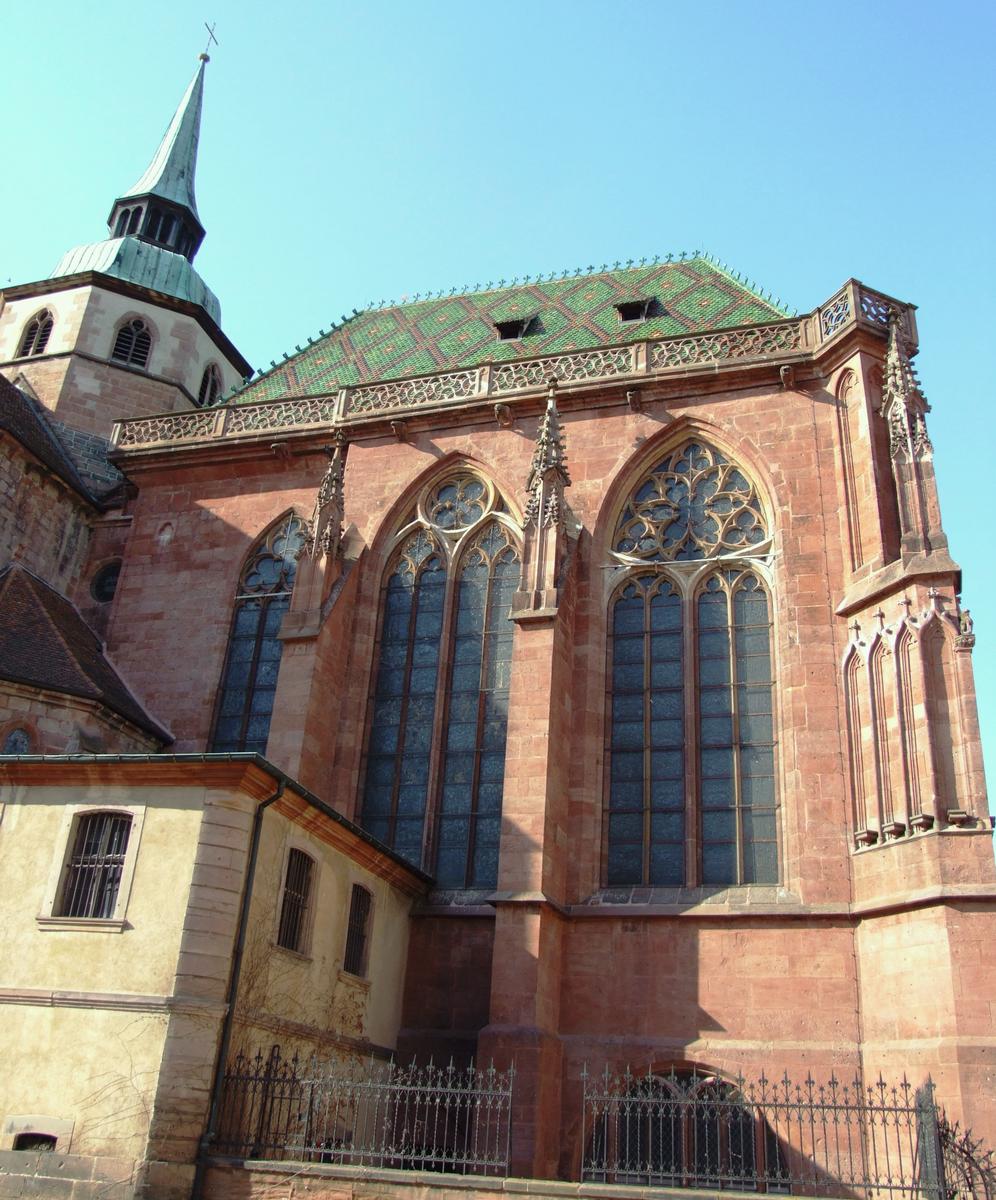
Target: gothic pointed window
x=36 y=335
x=690 y=781
x=436 y=749
x=249 y=679
x=210 y=387
x=132 y=344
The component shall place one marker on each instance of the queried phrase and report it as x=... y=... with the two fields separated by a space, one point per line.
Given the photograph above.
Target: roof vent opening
x=510 y=331
x=634 y=310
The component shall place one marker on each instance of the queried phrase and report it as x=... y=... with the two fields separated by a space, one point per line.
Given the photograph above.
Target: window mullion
x=690 y=696
x=440 y=713
x=399 y=753
x=735 y=723
x=647 y=747
x=479 y=735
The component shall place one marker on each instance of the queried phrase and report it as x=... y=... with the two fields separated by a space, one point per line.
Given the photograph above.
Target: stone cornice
x=109 y=283
x=248 y=773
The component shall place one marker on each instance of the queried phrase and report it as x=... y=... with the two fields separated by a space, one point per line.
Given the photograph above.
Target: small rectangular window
x=633 y=310
x=296 y=905
x=93 y=873
x=355 y=961
x=510 y=331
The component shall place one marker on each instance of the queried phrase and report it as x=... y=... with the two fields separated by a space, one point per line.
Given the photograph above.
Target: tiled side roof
x=25 y=420
x=89 y=452
x=576 y=313
x=45 y=643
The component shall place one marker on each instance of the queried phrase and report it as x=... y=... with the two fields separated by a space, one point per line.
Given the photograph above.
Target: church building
x=566 y=674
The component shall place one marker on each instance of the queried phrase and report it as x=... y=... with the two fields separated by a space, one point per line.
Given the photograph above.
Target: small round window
x=105 y=582
x=18 y=741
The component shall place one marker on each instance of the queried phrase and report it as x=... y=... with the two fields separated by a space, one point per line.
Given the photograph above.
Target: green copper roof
x=171 y=172
x=691 y=295
x=141 y=262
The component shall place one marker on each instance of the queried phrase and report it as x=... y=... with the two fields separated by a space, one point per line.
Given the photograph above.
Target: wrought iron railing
x=685 y=1129
x=367 y=1113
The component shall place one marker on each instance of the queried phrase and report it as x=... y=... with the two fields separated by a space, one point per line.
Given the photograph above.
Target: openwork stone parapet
x=853 y=307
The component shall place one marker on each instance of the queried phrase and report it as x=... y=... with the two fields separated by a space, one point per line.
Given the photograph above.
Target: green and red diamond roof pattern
x=450 y=333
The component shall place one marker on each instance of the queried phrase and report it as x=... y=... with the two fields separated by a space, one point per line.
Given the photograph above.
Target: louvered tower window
x=36 y=335
x=436 y=748
x=691 y=781
x=210 y=387
x=132 y=344
x=249 y=680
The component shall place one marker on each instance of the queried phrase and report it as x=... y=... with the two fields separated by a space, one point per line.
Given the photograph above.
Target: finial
x=204 y=57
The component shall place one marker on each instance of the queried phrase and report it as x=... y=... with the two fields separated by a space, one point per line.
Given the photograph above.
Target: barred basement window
x=441 y=686
x=249 y=680
x=295 y=907
x=96 y=861
x=210 y=387
x=36 y=335
x=133 y=344
x=357 y=932
x=691 y=780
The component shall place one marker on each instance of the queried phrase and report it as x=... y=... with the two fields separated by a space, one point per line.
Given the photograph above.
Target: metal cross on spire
x=211 y=38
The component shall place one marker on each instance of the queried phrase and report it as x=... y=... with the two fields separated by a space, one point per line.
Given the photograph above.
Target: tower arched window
x=691 y=794
x=438 y=715
x=36 y=334
x=210 y=387
x=249 y=679
x=133 y=344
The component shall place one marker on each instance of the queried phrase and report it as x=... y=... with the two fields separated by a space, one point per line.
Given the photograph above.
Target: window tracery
x=249 y=680
x=690 y=778
x=436 y=749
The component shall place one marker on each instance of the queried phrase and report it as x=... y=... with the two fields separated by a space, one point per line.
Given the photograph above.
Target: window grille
x=355 y=958
x=132 y=344
x=210 y=387
x=36 y=335
x=447 y=600
x=295 y=907
x=96 y=861
x=249 y=680
x=690 y=779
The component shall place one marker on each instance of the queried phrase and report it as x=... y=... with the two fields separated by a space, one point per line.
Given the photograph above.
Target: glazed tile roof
x=45 y=643
x=577 y=312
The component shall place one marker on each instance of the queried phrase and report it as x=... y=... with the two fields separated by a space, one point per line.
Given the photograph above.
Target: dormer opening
x=637 y=309
x=513 y=330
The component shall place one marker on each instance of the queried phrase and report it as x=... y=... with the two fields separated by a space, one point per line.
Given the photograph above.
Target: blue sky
x=358 y=152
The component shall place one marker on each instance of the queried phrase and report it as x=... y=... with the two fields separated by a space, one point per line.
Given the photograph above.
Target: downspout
x=231 y=994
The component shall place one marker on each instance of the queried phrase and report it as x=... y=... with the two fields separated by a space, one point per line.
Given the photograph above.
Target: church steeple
x=160 y=207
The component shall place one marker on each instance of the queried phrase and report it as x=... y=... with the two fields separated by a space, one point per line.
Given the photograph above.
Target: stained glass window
x=691 y=780
x=436 y=746
x=249 y=681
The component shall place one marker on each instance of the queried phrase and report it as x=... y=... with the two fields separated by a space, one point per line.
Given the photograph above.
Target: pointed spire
x=548 y=474
x=160 y=207
x=170 y=174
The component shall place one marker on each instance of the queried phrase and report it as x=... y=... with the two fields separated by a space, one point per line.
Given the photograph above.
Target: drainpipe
x=231 y=994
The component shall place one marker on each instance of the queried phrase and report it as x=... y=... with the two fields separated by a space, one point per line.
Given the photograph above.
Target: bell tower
x=126 y=326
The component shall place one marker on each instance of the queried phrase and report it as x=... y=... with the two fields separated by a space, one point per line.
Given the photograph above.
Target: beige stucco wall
x=84 y=1012
x=307 y=1001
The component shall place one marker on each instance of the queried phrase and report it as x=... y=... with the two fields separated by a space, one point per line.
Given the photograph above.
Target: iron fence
x=686 y=1129
x=367 y=1113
